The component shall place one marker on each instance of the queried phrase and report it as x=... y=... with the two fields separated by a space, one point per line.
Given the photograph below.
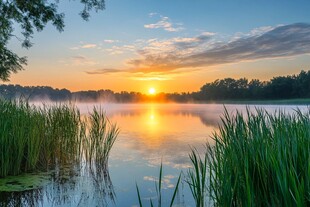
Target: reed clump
x=101 y=137
x=197 y=177
x=261 y=159
x=35 y=138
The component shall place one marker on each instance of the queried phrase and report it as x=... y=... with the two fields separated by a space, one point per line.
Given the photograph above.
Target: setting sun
x=152 y=91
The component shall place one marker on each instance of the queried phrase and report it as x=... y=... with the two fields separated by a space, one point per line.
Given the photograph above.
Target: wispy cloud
x=117 y=50
x=152 y=14
x=163 y=59
x=84 y=46
x=79 y=60
x=104 y=71
x=87 y=46
x=110 y=41
x=164 y=23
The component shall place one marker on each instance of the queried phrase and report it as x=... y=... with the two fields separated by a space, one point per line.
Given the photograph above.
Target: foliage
x=289 y=87
x=101 y=137
x=30 y=15
x=261 y=159
x=198 y=177
x=23 y=182
x=37 y=138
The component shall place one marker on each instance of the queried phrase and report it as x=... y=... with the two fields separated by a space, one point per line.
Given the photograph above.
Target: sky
x=172 y=46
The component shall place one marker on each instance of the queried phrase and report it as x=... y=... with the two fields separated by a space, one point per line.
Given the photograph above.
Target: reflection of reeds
x=25 y=198
x=102 y=183
x=259 y=159
x=159 y=191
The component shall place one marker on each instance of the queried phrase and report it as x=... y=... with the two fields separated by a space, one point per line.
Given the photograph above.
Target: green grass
x=261 y=159
x=35 y=138
x=197 y=177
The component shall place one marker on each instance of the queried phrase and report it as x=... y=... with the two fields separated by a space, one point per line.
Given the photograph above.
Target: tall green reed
x=197 y=177
x=36 y=138
x=101 y=137
x=261 y=159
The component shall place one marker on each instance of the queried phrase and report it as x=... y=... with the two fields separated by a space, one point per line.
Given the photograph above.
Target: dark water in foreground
x=150 y=134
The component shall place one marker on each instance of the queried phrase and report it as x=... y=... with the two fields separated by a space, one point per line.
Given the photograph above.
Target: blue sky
x=136 y=44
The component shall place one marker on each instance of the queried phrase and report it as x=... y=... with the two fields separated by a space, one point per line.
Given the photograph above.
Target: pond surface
x=150 y=134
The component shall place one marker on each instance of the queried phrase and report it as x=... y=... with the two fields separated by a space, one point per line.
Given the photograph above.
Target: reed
x=101 y=137
x=35 y=138
x=197 y=177
x=261 y=159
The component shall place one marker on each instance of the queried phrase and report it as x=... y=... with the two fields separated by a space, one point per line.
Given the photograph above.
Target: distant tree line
x=282 y=87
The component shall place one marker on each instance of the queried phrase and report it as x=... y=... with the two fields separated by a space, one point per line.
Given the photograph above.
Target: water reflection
x=24 y=198
x=162 y=132
x=79 y=185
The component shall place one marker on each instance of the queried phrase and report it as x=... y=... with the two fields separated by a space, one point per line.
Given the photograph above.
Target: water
x=150 y=134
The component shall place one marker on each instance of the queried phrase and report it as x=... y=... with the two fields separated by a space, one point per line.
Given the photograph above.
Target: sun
x=152 y=91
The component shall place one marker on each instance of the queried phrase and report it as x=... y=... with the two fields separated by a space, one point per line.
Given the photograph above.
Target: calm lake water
x=150 y=134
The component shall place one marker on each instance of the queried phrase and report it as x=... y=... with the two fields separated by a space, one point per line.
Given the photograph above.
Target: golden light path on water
x=160 y=133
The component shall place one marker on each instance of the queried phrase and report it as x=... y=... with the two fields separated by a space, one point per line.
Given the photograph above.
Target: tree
x=30 y=15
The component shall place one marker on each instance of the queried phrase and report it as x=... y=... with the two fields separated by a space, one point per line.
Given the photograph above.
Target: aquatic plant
x=101 y=137
x=261 y=159
x=35 y=138
x=197 y=177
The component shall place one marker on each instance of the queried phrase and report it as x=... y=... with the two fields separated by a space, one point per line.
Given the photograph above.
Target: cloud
x=74 y=48
x=111 y=41
x=142 y=74
x=152 y=14
x=117 y=50
x=87 y=46
x=164 y=23
x=104 y=71
x=201 y=51
x=282 y=41
x=165 y=59
x=84 y=46
x=82 y=60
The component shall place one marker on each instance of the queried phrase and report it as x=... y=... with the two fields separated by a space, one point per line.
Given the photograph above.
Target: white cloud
x=117 y=50
x=152 y=14
x=84 y=46
x=87 y=46
x=111 y=41
x=165 y=23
